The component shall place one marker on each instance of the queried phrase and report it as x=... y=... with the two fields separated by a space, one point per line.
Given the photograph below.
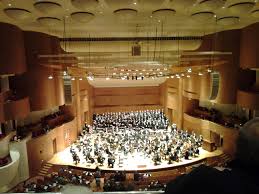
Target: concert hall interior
x=132 y=96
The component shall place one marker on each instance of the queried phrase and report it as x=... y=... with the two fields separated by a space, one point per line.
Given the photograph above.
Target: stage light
x=80 y=79
x=188 y=76
x=50 y=77
x=209 y=70
x=172 y=76
x=182 y=74
x=73 y=79
x=189 y=70
x=200 y=73
x=107 y=78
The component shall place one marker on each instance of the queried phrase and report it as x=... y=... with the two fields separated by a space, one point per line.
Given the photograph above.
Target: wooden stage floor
x=133 y=162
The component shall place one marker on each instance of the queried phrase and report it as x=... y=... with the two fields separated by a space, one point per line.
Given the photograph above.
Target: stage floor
x=133 y=162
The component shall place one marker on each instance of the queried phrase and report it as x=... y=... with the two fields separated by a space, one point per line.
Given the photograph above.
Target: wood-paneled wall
x=249 y=49
x=131 y=96
x=205 y=127
x=12 y=55
x=248 y=99
x=14 y=110
x=41 y=149
x=44 y=93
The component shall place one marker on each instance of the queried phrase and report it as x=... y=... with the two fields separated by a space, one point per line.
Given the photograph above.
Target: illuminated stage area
x=134 y=162
x=141 y=140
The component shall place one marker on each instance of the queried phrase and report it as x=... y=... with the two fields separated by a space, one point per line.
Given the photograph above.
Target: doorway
x=54 y=143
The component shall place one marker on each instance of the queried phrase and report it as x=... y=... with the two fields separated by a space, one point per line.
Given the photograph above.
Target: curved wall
x=18 y=109
x=12 y=55
x=226 y=41
x=4 y=145
x=205 y=127
x=44 y=93
x=9 y=172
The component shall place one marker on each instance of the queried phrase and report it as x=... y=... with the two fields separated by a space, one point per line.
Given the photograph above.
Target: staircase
x=224 y=158
x=44 y=171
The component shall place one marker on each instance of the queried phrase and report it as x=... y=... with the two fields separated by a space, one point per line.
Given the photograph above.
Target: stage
x=133 y=162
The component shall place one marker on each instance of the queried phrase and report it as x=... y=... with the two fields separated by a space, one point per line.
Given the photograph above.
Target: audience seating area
x=216 y=116
x=110 y=182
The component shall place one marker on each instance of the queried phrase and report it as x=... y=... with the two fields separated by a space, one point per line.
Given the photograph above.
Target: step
x=45 y=167
x=44 y=171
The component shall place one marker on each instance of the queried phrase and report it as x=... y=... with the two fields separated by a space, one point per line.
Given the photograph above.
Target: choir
x=115 y=136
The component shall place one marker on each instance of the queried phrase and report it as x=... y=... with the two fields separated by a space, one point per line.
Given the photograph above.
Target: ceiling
x=185 y=20
x=129 y=18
